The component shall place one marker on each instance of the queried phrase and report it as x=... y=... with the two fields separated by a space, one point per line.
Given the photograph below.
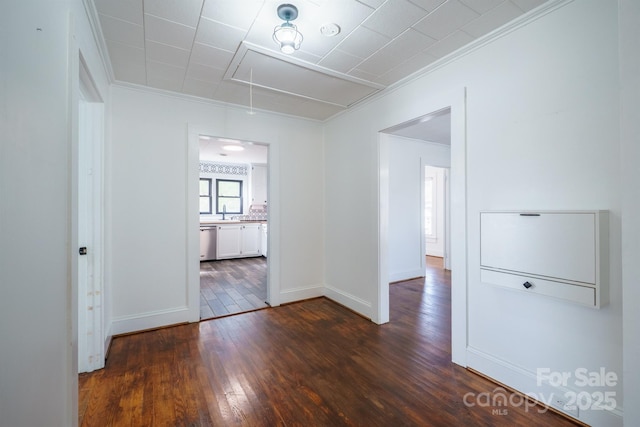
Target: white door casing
x=91 y=331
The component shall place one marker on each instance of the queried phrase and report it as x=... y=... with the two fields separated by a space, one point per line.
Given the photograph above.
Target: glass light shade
x=288 y=37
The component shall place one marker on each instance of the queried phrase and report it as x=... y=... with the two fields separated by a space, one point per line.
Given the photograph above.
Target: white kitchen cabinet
x=259 y=184
x=238 y=240
x=229 y=241
x=562 y=254
x=250 y=239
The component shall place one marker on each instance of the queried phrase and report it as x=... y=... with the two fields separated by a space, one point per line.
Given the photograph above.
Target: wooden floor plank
x=313 y=363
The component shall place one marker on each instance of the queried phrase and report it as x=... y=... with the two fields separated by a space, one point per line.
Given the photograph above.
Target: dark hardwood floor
x=312 y=363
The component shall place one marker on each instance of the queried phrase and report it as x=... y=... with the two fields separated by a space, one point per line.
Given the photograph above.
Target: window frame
x=218 y=197
x=208 y=196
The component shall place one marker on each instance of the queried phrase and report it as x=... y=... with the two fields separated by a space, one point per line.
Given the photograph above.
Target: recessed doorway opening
x=233 y=208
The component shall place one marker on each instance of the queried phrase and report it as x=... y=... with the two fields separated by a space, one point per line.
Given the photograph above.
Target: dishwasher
x=208 y=242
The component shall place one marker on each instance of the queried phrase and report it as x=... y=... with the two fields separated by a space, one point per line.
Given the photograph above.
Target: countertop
x=229 y=221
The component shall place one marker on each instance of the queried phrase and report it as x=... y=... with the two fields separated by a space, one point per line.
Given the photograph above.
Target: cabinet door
x=250 y=239
x=228 y=241
x=556 y=245
x=259 y=184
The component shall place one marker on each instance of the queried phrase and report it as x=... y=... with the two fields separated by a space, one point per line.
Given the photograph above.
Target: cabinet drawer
x=585 y=295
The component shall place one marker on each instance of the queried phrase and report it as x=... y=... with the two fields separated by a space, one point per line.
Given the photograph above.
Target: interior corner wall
x=148 y=181
x=40 y=43
x=407 y=158
x=542 y=133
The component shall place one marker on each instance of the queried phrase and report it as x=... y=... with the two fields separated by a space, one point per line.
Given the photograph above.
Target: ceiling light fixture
x=287 y=34
x=233 y=148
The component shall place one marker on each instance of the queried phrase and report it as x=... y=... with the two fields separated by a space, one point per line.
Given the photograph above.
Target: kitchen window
x=228 y=196
x=205 y=195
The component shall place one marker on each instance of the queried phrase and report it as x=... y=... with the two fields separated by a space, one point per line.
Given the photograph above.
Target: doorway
x=436 y=214
x=233 y=208
x=455 y=103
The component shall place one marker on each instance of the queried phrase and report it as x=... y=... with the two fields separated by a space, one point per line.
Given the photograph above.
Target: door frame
x=192 y=243
x=456 y=101
x=89 y=188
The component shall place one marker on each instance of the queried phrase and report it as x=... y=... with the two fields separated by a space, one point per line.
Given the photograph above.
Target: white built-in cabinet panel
x=259 y=184
x=238 y=240
x=562 y=254
x=250 y=239
x=228 y=240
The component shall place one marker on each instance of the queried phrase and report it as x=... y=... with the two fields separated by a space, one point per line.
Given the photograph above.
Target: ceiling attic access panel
x=270 y=70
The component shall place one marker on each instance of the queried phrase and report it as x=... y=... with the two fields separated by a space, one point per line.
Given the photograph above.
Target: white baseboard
x=405 y=275
x=526 y=382
x=150 y=320
x=299 y=294
x=350 y=301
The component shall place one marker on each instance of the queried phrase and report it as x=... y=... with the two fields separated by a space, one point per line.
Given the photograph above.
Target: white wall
x=39 y=45
x=629 y=16
x=542 y=133
x=407 y=158
x=149 y=139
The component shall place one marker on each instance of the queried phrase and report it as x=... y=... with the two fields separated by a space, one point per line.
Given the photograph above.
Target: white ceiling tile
x=406 y=68
x=363 y=75
x=347 y=14
x=127 y=10
x=409 y=43
x=449 y=44
x=482 y=6
x=218 y=35
x=168 y=32
x=304 y=55
x=203 y=73
x=185 y=12
x=210 y=56
x=393 y=17
x=199 y=88
x=340 y=61
x=160 y=83
x=373 y=3
x=160 y=70
x=168 y=54
x=122 y=31
x=363 y=42
x=128 y=63
x=445 y=20
x=238 y=14
x=527 y=5
x=493 y=19
x=398 y=50
x=428 y=5
x=315 y=110
x=230 y=91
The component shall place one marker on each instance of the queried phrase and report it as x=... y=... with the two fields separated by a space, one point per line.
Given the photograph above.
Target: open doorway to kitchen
x=233 y=208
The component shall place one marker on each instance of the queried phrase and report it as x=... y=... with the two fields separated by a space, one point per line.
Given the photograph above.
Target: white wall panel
x=148 y=176
x=542 y=133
